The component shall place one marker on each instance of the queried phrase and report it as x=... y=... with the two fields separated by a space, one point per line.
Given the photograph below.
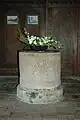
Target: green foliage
x=30 y=40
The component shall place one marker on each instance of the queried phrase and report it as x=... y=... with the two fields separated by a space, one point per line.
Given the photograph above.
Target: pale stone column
x=40 y=77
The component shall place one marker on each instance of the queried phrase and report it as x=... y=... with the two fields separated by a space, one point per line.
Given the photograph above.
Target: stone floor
x=12 y=109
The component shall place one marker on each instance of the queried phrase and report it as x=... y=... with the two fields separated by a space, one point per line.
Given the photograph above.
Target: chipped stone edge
x=40 y=96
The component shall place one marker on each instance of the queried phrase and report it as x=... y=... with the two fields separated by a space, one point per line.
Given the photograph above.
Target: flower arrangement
x=38 y=43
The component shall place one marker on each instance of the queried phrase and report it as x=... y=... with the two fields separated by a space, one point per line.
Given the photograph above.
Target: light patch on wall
x=12 y=19
x=31 y=19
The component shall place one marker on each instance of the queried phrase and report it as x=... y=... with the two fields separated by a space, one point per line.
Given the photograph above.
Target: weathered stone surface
x=40 y=69
x=40 y=77
x=40 y=96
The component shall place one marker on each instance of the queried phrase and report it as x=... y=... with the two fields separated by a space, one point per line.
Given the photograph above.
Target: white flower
x=34 y=37
x=37 y=37
x=46 y=37
x=52 y=40
x=45 y=41
x=30 y=41
x=35 y=42
x=56 y=42
x=40 y=43
x=59 y=46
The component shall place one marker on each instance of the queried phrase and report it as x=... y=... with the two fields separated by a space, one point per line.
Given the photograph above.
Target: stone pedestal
x=40 y=81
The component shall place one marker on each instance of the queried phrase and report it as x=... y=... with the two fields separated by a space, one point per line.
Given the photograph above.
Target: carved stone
x=40 y=81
